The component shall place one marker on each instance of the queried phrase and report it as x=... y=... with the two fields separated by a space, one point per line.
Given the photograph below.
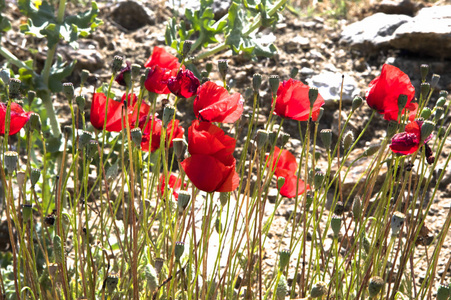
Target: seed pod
x=392 y=128
x=81 y=101
x=375 y=285
x=426 y=129
x=282 y=288
x=318 y=179
x=443 y=94
x=256 y=82
x=4 y=76
x=179 y=249
x=20 y=179
x=312 y=95
x=27 y=212
x=11 y=158
x=443 y=292
x=262 y=138
x=424 y=89
x=14 y=88
x=440 y=102
x=318 y=290
x=168 y=114
x=284 y=138
x=272 y=137
x=186 y=48
x=84 y=76
x=426 y=113
x=183 y=200
x=326 y=137
x=402 y=101
x=348 y=139
x=284 y=258
x=34 y=176
x=335 y=224
x=366 y=244
x=424 y=70
x=179 y=146
x=339 y=208
x=274 y=84
x=110 y=283
x=68 y=90
x=159 y=264
x=151 y=278
x=320 y=115
x=223 y=68
x=58 y=249
x=396 y=222
x=438 y=113
x=357 y=208
x=136 y=135
x=117 y=64
x=434 y=80
x=294 y=72
x=31 y=95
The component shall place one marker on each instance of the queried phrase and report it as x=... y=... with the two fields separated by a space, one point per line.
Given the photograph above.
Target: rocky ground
x=321 y=47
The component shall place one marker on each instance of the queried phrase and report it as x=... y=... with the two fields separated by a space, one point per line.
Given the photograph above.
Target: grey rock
x=401 y=7
x=329 y=86
x=132 y=15
x=297 y=43
x=307 y=71
x=372 y=33
x=428 y=33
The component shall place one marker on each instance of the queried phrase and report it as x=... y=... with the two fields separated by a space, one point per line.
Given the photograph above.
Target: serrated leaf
x=204 y=23
x=58 y=72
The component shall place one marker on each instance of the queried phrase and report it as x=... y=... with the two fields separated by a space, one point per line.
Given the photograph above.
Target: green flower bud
x=110 y=283
x=186 y=48
x=326 y=137
x=294 y=72
x=396 y=222
x=27 y=212
x=223 y=68
x=284 y=258
x=439 y=111
x=256 y=82
x=117 y=64
x=357 y=208
x=136 y=135
x=84 y=138
x=135 y=70
x=58 y=249
x=402 y=101
x=151 y=278
x=31 y=95
x=80 y=100
x=183 y=200
x=34 y=176
x=434 y=80
x=68 y=90
x=14 y=88
x=280 y=182
x=284 y=137
x=371 y=150
x=34 y=123
x=274 y=84
x=262 y=138
x=179 y=146
x=440 y=102
x=312 y=95
x=168 y=114
x=318 y=179
x=392 y=128
x=366 y=244
x=282 y=288
x=179 y=249
x=84 y=76
x=159 y=262
x=424 y=70
x=426 y=113
x=11 y=158
x=209 y=67
x=443 y=292
x=224 y=198
x=335 y=224
x=356 y=103
x=426 y=129
x=318 y=290
x=218 y=225
x=375 y=285
x=348 y=139
x=309 y=201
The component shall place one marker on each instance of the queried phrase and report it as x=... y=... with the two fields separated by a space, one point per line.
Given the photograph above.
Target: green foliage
x=5 y=24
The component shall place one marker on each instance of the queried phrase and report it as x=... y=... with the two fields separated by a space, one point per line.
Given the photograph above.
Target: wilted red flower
x=293 y=102
x=174 y=183
x=114 y=113
x=18 y=119
x=286 y=167
x=408 y=142
x=214 y=104
x=383 y=92
x=211 y=166
x=120 y=76
x=153 y=128
x=184 y=85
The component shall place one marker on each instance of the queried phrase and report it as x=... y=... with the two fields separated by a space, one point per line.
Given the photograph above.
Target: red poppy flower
x=286 y=167
x=184 y=85
x=174 y=183
x=114 y=113
x=120 y=76
x=214 y=104
x=293 y=102
x=18 y=119
x=153 y=128
x=211 y=166
x=408 y=142
x=383 y=92
x=163 y=59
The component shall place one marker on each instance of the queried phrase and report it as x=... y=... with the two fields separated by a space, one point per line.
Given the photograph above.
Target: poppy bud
x=426 y=113
x=443 y=292
x=14 y=88
x=438 y=113
x=111 y=283
x=309 y=201
x=396 y=222
x=27 y=211
x=434 y=80
x=282 y=288
x=58 y=249
x=371 y=150
x=186 y=48
x=294 y=72
x=424 y=70
x=284 y=258
x=31 y=95
x=179 y=249
x=272 y=137
x=209 y=67
x=274 y=83
x=218 y=226
x=135 y=70
x=402 y=101
x=68 y=90
x=223 y=68
x=34 y=122
x=4 y=76
x=443 y=94
x=320 y=114
x=426 y=129
x=366 y=244
x=34 y=176
x=84 y=76
x=356 y=103
x=142 y=80
x=151 y=278
x=357 y=208
x=335 y=224
x=280 y=182
x=318 y=290
x=392 y=128
x=326 y=137
x=262 y=138
x=424 y=89
x=84 y=138
x=179 y=145
x=117 y=64
x=137 y=136
x=375 y=285
x=224 y=198
x=168 y=114
x=183 y=200
x=11 y=158
x=284 y=137
x=440 y=102
x=348 y=139
x=256 y=82
x=159 y=264
x=318 y=179
x=312 y=95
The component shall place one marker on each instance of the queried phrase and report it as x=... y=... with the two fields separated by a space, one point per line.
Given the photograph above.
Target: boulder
x=132 y=15
x=329 y=86
x=396 y=7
